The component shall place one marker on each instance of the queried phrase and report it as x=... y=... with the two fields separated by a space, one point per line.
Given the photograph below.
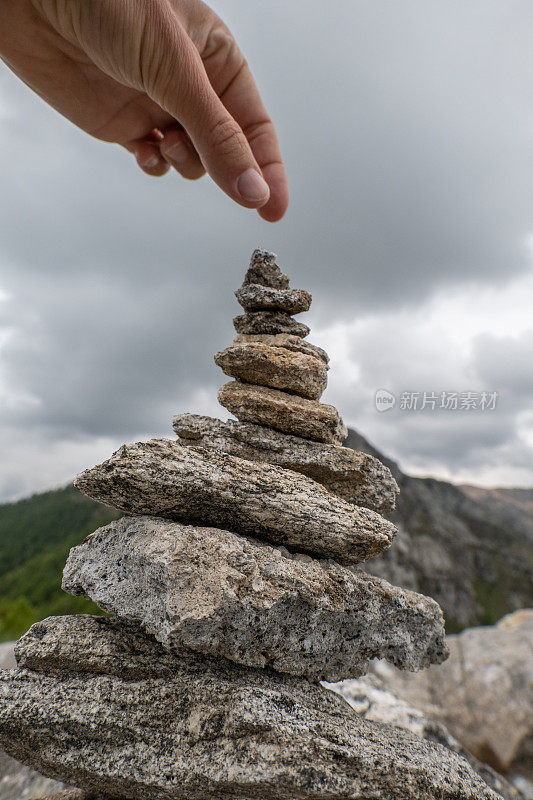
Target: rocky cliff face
x=470 y=549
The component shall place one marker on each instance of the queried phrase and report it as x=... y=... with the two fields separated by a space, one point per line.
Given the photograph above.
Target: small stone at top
x=264 y=270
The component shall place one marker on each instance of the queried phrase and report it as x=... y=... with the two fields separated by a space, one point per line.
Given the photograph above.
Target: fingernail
x=150 y=162
x=252 y=187
x=179 y=153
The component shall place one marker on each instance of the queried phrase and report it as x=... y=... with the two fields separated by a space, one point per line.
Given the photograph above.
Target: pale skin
x=163 y=78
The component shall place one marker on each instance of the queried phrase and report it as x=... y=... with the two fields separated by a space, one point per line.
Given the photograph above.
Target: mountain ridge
x=469 y=548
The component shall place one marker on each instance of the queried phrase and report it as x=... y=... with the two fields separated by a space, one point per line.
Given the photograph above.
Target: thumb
x=185 y=92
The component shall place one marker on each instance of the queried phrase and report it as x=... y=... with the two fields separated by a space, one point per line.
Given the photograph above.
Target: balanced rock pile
x=234 y=588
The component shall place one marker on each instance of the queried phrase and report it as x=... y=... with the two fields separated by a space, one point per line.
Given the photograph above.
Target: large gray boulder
x=370 y=698
x=350 y=474
x=220 y=593
x=103 y=706
x=483 y=694
x=207 y=487
x=18 y=782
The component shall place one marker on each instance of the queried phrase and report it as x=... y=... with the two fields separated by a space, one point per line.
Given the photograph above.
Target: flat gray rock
x=207 y=487
x=276 y=367
x=265 y=271
x=350 y=474
x=102 y=706
x=284 y=412
x=254 y=297
x=272 y=322
x=226 y=595
x=294 y=343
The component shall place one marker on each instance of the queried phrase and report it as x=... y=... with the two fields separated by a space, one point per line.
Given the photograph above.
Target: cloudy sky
x=408 y=134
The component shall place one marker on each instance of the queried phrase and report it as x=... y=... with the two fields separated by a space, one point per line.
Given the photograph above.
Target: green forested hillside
x=35 y=537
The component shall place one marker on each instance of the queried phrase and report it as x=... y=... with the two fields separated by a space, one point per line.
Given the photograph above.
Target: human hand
x=163 y=78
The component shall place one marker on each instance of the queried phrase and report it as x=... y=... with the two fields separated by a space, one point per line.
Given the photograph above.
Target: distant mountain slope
x=35 y=537
x=469 y=548
x=511 y=507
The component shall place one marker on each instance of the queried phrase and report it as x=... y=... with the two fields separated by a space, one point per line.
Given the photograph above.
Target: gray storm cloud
x=408 y=133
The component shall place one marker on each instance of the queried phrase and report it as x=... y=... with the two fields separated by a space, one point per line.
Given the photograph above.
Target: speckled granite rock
x=207 y=487
x=271 y=322
x=265 y=271
x=284 y=412
x=223 y=594
x=350 y=474
x=483 y=694
x=368 y=697
x=100 y=704
x=254 y=297
x=294 y=343
x=276 y=367
x=17 y=781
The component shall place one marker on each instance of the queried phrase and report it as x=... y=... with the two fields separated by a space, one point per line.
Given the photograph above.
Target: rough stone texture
x=276 y=367
x=254 y=297
x=294 y=343
x=207 y=487
x=220 y=593
x=264 y=271
x=18 y=782
x=352 y=475
x=284 y=412
x=368 y=697
x=272 y=322
x=103 y=706
x=483 y=694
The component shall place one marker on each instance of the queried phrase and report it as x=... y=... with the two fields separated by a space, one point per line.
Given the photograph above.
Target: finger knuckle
x=259 y=129
x=220 y=43
x=225 y=136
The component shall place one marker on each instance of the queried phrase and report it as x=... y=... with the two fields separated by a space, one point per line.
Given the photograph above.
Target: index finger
x=244 y=103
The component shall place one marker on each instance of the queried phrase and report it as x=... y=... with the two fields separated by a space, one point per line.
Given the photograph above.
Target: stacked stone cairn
x=234 y=588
